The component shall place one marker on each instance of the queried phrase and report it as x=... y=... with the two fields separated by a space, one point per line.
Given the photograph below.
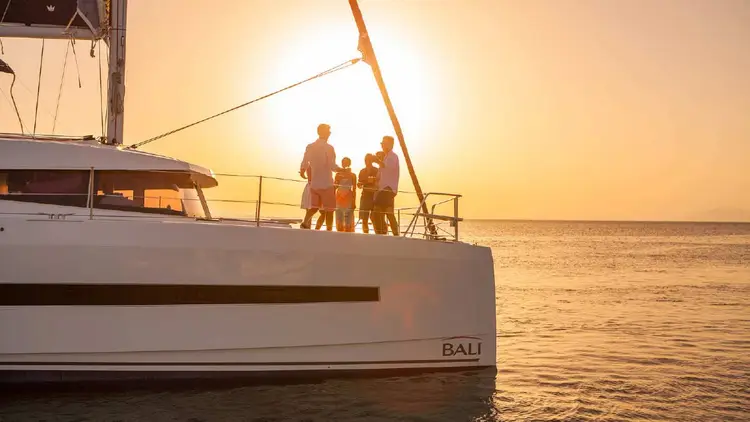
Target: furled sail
x=54 y=18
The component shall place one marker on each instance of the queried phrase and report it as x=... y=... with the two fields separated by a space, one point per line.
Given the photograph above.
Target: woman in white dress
x=306 y=203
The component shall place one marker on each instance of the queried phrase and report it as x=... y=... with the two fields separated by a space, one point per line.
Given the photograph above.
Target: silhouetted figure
x=306 y=202
x=320 y=158
x=368 y=182
x=346 y=197
x=388 y=176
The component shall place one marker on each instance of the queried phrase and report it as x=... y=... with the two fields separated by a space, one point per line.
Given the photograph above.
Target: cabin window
x=154 y=192
x=157 y=192
x=3 y=184
x=56 y=187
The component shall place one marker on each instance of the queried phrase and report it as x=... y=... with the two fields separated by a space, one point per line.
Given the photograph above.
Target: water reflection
x=453 y=396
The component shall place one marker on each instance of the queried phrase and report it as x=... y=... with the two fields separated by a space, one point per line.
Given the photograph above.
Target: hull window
x=176 y=294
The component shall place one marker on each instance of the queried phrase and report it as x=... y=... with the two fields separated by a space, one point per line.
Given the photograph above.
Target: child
x=368 y=182
x=346 y=193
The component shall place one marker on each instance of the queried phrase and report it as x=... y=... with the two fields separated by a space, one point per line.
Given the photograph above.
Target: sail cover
x=66 y=14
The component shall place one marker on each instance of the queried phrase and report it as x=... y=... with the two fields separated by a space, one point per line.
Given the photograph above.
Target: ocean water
x=596 y=321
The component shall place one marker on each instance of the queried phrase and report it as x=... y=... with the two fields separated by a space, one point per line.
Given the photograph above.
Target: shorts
x=384 y=200
x=366 y=203
x=324 y=199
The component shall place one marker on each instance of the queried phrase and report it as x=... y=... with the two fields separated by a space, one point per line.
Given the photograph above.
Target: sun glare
x=349 y=100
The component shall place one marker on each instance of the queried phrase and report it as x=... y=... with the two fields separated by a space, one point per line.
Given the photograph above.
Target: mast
x=75 y=20
x=368 y=53
x=116 y=88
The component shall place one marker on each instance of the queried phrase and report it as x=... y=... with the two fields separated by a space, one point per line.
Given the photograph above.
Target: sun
x=348 y=100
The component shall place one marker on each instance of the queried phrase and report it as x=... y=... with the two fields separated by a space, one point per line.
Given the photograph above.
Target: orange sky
x=536 y=109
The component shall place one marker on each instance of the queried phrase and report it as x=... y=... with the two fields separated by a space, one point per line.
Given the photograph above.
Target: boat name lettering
x=462 y=347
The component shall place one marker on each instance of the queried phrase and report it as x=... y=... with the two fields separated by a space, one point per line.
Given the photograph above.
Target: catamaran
x=112 y=264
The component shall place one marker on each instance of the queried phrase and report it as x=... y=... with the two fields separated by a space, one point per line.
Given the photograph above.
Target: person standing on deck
x=368 y=182
x=320 y=158
x=388 y=176
x=346 y=197
x=306 y=202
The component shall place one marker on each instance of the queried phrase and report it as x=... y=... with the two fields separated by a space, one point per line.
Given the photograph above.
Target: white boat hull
x=417 y=305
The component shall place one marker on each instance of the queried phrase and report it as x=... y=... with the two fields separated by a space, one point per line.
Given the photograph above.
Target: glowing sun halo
x=348 y=100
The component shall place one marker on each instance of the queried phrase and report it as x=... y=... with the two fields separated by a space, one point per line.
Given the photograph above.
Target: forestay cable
x=38 y=88
x=336 y=68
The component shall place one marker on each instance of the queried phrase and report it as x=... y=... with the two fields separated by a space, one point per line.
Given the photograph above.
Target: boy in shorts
x=368 y=182
x=346 y=193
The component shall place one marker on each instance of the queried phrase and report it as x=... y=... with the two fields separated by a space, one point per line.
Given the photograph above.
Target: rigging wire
x=42 y=106
x=101 y=106
x=336 y=68
x=105 y=99
x=75 y=56
x=38 y=88
x=7 y=6
x=59 y=93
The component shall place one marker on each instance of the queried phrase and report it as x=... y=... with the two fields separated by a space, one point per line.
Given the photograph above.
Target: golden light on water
x=592 y=112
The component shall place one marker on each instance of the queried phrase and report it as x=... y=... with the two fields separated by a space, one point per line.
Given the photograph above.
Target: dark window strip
x=175 y=363
x=176 y=294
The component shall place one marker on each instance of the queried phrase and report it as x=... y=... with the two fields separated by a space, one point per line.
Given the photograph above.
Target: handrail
x=432 y=216
x=146 y=207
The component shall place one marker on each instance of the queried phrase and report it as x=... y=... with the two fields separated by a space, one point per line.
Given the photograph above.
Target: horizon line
x=545 y=220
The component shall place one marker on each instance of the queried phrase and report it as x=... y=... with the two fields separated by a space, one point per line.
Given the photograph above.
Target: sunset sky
x=555 y=109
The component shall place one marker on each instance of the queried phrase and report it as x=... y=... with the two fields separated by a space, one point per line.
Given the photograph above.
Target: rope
x=5 y=68
x=59 y=92
x=38 y=88
x=20 y=122
x=336 y=68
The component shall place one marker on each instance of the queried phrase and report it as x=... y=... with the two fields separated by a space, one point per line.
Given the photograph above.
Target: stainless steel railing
x=262 y=202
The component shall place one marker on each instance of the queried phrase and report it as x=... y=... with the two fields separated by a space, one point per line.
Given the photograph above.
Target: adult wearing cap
x=388 y=176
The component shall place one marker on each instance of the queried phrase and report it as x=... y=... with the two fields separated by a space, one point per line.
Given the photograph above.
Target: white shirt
x=389 y=172
x=320 y=157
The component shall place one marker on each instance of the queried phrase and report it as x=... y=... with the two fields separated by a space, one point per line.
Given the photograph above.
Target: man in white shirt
x=387 y=189
x=319 y=161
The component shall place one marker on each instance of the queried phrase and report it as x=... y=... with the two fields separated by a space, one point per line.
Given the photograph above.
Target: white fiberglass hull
x=100 y=298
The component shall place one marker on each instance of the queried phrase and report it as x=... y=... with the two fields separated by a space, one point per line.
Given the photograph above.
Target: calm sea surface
x=596 y=321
